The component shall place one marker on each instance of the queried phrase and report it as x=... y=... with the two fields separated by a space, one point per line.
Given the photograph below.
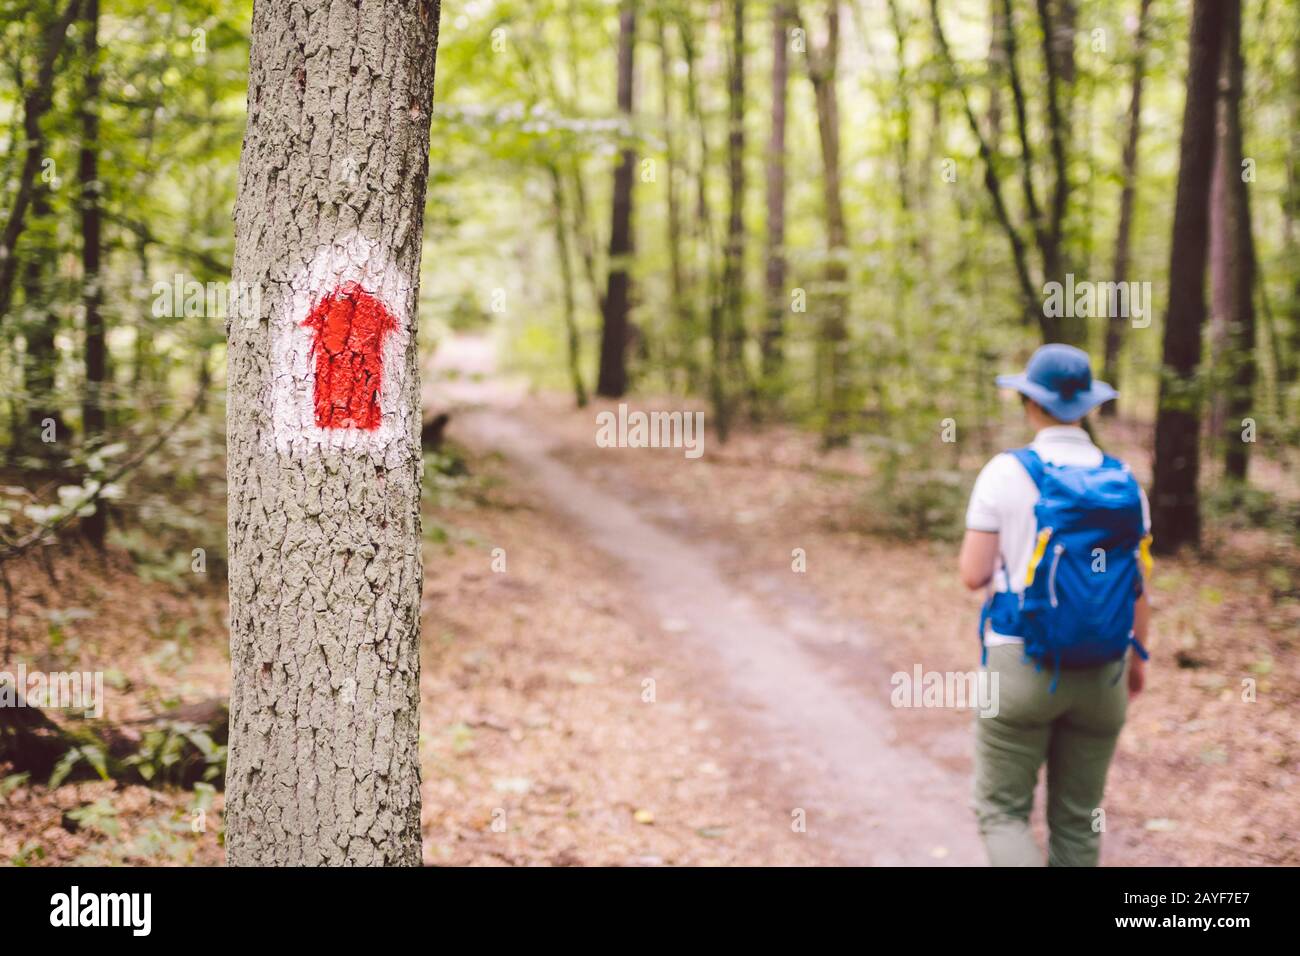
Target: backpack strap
x=1031 y=462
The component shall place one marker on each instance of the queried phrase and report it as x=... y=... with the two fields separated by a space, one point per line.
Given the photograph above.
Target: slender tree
x=37 y=99
x=93 y=418
x=774 y=271
x=323 y=426
x=559 y=210
x=1127 y=199
x=683 y=314
x=612 y=381
x=1175 y=505
x=40 y=331
x=823 y=68
x=1239 y=368
x=1289 y=366
x=728 y=328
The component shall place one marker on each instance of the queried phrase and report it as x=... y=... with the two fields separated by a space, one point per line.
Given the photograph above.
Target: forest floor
x=638 y=676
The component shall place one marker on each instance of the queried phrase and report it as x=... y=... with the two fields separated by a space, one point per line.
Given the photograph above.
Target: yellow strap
x=1040 y=548
x=1144 y=557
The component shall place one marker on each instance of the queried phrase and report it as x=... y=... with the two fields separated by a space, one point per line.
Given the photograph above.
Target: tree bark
x=93 y=419
x=1175 y=504
x=324 y=486
x=1127 y=200
x=612 y=381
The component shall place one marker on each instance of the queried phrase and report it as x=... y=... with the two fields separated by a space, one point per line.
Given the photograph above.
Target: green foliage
x=100 y=816
x=1233 y=505
x=91 y=754
x=915 y=505
x=163 y=755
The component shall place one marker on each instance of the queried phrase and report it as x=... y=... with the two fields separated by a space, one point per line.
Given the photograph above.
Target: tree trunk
x=729 y=338
x=683 y=316
x=1057 y=22
x=1175 y=502
x=1220 y=270
x=36 y=102
x=822 y=70
x=612 y=381
x=1289 y=368
x=40 y=330
x=93 y=418
x=705 y=272
x=323 y=425
x=572 y=337
x=997 y=60
x=773 y=341
x=1127 y=199
x=1239 y=353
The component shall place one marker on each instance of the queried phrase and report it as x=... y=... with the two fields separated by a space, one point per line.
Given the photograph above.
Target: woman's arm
x=1137 y=669
x=978 y=559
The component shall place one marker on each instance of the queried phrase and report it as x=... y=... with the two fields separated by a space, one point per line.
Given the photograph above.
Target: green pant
x=1073 y=730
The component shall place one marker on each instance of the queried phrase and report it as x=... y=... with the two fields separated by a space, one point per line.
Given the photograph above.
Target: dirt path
x=808 y=709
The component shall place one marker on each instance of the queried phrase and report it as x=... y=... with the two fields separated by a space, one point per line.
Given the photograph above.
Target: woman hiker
x=1058 y=533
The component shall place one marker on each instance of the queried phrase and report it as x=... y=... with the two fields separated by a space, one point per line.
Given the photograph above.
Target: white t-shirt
x=1004 y=497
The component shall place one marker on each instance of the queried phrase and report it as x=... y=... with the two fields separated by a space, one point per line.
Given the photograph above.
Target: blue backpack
x=1076 y=605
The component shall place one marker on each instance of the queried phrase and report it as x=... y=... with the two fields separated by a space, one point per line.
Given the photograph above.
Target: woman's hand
x=1137 y=675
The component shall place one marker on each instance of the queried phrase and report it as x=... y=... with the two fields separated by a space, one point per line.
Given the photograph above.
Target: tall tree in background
x=1056 y=19
x=1289 y=367
x=612 y=380
x=1175 y=507
x=1238 y=355
x=93 y=417
x=324 y=524
x=559 y=209
x=727 y=321
x=683 y=313
x=823 y=68
x=1127 y=200
x=774 y=271
x=37 y=98
x=40 y=331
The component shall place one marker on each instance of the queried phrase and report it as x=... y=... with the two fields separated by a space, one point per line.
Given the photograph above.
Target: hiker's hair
x=1025 y=400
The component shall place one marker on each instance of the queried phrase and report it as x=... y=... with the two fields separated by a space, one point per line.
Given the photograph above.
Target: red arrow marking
x=349 y=325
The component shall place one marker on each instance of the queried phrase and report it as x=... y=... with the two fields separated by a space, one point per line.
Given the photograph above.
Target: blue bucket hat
x=1059 y=378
